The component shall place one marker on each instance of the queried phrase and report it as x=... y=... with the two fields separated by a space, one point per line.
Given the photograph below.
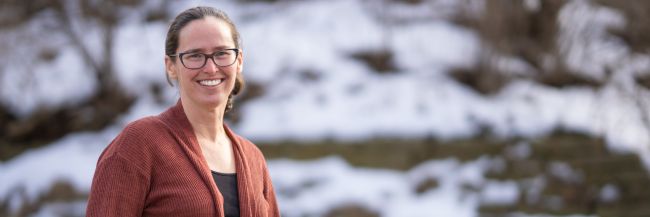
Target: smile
x=210 y=83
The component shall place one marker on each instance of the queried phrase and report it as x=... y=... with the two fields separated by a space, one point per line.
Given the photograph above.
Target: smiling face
x=210 y=85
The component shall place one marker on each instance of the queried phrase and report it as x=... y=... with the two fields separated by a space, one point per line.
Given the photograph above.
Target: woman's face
x=209 y=85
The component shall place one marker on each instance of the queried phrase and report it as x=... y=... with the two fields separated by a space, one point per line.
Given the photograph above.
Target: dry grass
x=351 y=210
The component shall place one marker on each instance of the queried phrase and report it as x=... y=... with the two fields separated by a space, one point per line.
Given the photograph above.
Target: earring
x=229 y=104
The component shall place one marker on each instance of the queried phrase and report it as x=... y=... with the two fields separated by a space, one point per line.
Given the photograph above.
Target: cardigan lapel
x=244 y=177
x=189 y=143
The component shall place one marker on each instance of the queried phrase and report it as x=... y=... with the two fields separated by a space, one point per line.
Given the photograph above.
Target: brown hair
x=185 y=17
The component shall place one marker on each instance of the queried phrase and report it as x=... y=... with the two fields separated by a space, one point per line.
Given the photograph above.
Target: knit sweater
x=155 y=167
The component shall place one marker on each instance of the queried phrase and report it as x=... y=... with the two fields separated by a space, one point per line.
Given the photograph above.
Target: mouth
x=210 y=83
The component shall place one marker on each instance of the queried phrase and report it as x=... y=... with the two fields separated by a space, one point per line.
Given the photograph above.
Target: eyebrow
x=201 y=49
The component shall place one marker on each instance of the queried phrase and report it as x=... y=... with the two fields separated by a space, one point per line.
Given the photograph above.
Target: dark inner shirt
x=227 y=184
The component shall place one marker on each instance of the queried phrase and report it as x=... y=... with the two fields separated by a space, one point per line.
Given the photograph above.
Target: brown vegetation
x=351 y=210
x=508 y=28
x=380 y=61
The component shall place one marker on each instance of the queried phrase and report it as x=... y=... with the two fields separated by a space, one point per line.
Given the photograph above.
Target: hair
x=196 y=13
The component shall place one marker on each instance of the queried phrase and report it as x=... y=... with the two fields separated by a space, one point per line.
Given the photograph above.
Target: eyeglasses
x=196 y=60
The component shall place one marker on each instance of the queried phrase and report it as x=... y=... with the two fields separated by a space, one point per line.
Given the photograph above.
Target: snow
x=585 y=38
x=500 y=193
x=609 y=193
x=34 y=82
x=389 y=193
x=141 y=62
x=71 y=159
x=564 y=172
x=346 y=101
x=532 y=5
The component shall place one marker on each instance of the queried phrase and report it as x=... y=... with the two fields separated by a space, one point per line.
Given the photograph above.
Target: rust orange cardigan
x=155 y=167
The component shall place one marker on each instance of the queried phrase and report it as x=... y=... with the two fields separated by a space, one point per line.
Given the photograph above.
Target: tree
x=92 y=113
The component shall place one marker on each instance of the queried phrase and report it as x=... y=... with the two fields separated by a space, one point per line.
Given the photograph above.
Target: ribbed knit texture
x=155 y=167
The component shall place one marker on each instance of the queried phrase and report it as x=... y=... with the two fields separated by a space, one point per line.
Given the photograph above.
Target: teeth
x=210 y=82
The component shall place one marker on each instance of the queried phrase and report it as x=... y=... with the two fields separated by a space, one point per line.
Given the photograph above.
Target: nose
x=210 y=65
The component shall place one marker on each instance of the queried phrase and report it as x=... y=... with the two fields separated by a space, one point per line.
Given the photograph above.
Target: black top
x=227 y=184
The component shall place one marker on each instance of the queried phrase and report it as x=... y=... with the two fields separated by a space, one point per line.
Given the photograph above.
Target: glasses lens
x=193 y=60
x=224 y=57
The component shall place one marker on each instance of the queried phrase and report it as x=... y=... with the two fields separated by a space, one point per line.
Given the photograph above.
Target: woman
x=186 y=161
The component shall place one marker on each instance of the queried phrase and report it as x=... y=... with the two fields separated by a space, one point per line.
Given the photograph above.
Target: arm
x=119 y=188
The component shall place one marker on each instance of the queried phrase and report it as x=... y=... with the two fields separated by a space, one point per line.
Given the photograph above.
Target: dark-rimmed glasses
x=196 y=60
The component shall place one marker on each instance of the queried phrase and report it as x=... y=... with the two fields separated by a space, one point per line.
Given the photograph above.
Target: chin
x=212 y=102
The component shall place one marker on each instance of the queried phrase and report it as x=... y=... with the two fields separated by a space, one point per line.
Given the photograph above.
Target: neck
x=207 y=122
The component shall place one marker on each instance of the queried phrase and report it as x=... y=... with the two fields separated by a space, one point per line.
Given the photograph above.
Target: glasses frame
x=207 y=56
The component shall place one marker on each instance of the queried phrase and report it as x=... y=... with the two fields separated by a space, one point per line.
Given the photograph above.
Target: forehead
x=208 y=33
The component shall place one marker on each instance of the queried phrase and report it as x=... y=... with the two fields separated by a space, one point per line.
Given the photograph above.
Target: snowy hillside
x=302 y=53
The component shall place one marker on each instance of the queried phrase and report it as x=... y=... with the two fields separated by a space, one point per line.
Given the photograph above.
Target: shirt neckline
x=224 y=174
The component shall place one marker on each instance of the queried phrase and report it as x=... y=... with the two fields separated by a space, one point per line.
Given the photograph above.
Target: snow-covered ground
x=347 y=100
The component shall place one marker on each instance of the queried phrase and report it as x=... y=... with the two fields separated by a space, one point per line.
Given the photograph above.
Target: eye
x=193 y=56
x=222 y=54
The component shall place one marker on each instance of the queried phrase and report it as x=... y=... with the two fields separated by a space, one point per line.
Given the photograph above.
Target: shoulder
x=137 y=139
x=142 y=132
x=147 y=126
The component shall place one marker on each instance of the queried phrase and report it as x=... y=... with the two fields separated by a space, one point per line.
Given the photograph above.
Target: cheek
x=186 y=74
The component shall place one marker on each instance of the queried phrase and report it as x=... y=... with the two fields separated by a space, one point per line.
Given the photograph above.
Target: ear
x=170 y=68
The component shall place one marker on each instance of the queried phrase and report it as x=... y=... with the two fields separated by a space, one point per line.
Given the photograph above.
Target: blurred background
x=364 y=108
